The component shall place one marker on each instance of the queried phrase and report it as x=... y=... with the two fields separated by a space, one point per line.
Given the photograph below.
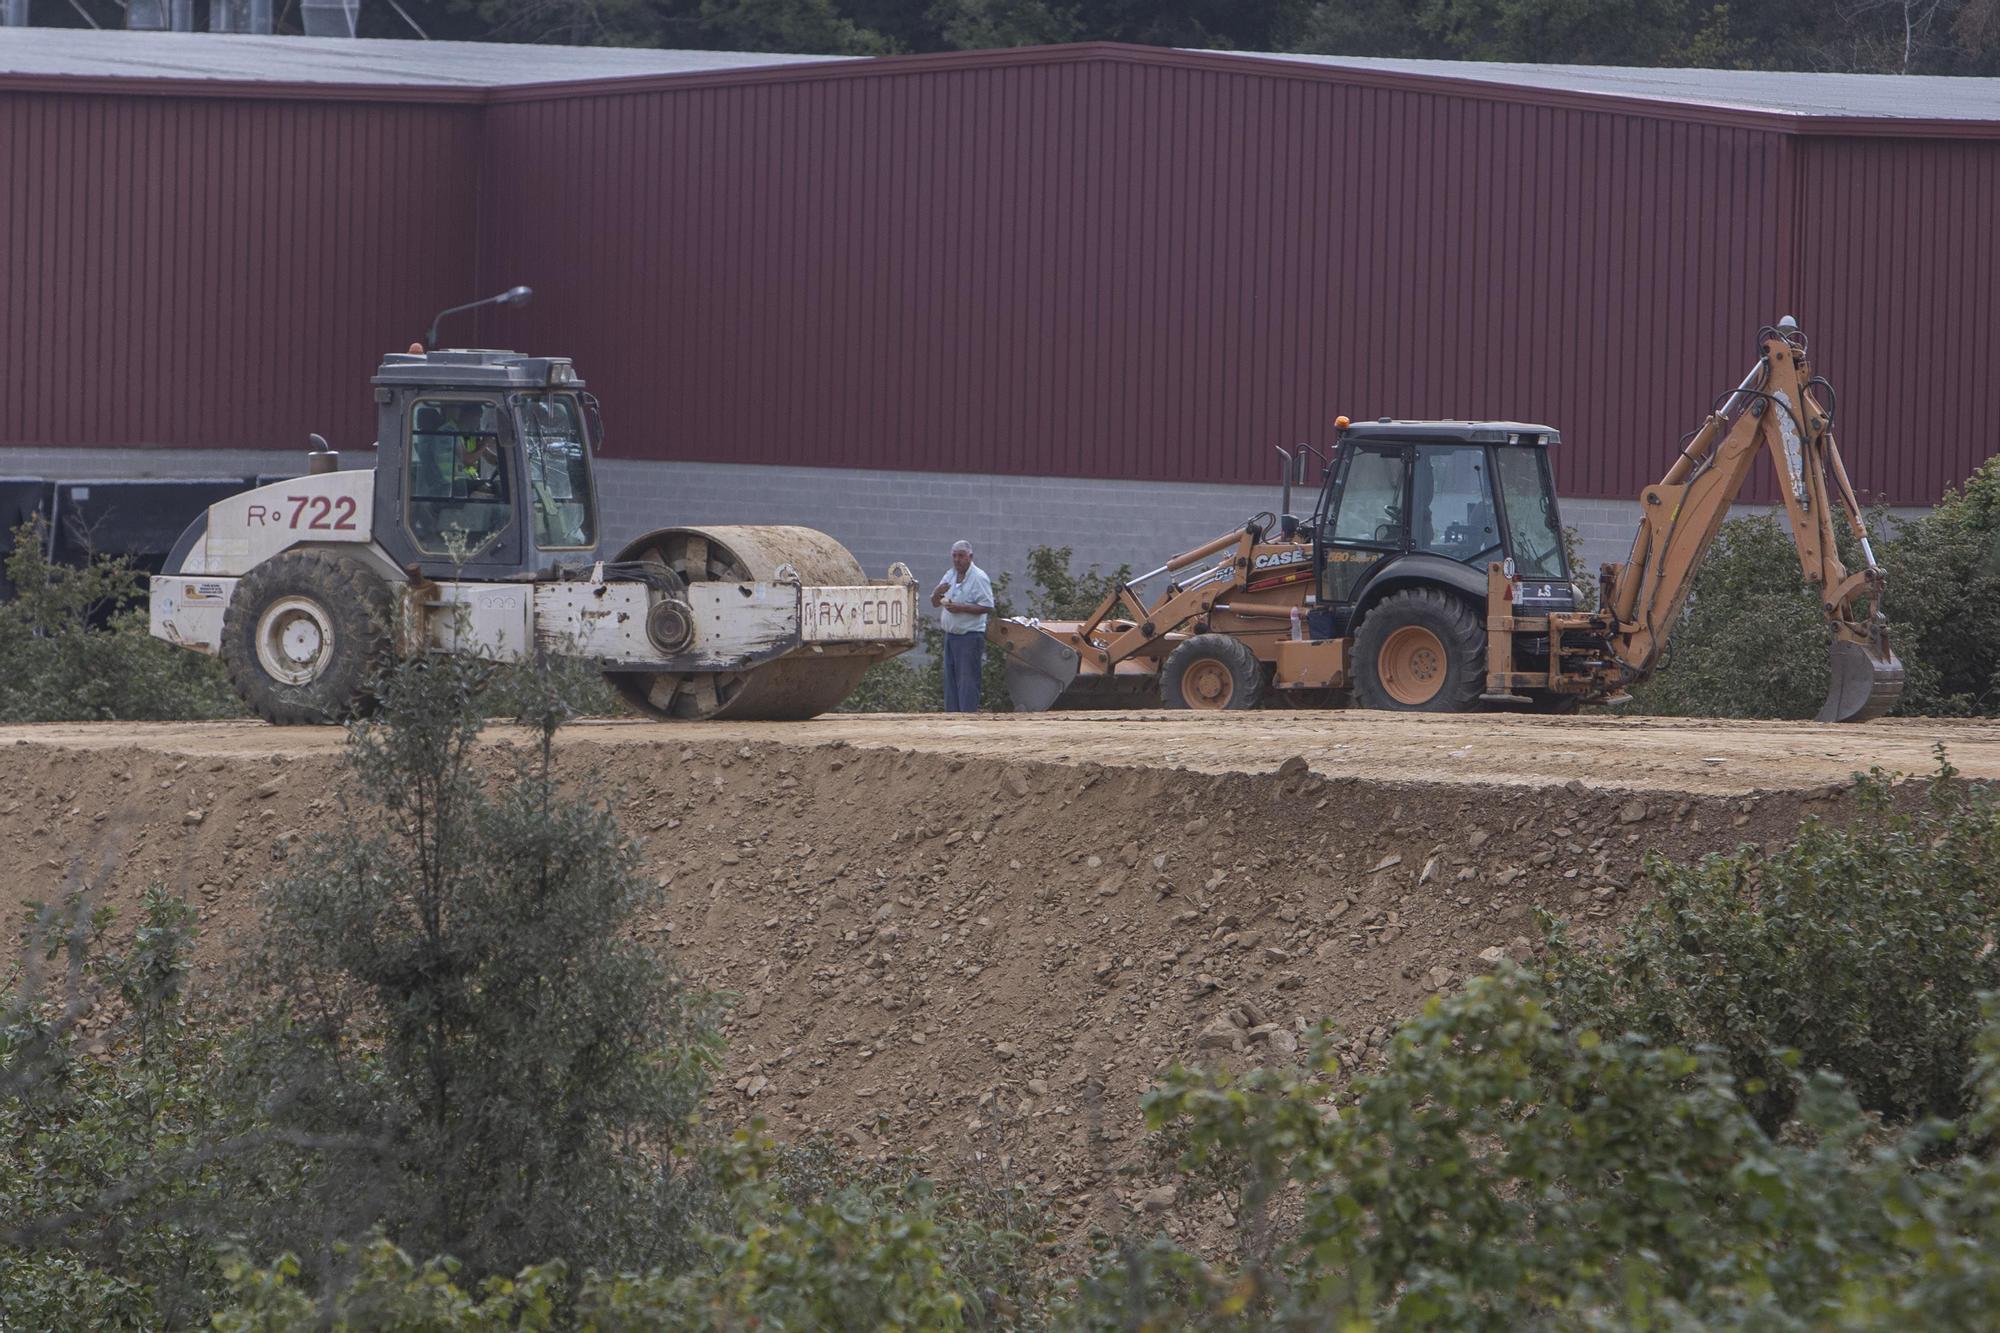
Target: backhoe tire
x=1212 y=673
x=1420 y=651
x=305 y=635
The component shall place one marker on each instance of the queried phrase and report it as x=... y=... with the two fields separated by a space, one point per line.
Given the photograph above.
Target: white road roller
x=477 y=531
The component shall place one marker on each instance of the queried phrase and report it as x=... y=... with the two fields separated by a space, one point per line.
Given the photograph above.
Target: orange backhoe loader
x=1431 y=576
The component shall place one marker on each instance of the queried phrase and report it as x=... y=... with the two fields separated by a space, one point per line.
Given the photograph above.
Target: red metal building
x=1089 y=262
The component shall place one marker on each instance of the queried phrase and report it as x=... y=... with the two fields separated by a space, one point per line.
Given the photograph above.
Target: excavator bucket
x=1867 y=682
x=1039 y=667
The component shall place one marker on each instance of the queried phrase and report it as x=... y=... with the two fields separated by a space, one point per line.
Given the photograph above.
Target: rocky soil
x=979 y=961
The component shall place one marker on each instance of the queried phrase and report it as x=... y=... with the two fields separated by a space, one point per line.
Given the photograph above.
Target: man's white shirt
x=975 y=589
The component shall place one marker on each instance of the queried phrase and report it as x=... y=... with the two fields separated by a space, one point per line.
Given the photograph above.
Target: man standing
x=963 y=597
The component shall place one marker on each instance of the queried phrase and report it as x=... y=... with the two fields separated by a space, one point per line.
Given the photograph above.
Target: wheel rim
x=1412 y=665
x=1208 y=684
x=294 y=640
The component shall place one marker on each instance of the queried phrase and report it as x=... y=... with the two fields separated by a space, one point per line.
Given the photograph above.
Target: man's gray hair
x=966 y=547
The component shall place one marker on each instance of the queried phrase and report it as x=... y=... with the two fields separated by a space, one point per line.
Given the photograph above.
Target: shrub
x=1504 y=1170
x=1860 y=950
x=109 y=1125
x=1943 y=599
x=818 y=1242
x=486 y=1065
x=1752 y=642
x=74 y=646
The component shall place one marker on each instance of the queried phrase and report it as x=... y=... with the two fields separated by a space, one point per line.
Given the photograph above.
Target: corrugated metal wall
x=201 y=272
x=1111 y=269
x=1143 y=266
x=1900 y=288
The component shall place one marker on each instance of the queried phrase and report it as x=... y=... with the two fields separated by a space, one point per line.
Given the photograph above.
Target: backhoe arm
x=1776 y=411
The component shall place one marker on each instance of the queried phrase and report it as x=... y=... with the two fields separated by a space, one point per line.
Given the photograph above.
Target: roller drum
x=786 y=689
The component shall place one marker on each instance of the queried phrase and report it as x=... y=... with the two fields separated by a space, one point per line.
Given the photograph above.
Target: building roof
x=352 y=62
x=1861 y=96
x=259 y=65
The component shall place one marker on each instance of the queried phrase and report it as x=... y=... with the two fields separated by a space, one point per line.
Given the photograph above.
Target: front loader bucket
x=1867 y=682
x=1039 y=667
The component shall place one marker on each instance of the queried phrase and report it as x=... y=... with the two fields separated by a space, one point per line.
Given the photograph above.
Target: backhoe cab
x=1431 y=576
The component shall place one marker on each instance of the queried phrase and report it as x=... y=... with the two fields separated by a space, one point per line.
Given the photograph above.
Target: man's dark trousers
x=964 y=654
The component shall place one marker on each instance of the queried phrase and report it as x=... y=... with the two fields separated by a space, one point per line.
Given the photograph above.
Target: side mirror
x=1299 y=467
x=595 y=429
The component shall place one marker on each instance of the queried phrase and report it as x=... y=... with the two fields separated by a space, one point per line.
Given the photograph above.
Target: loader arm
x=1777 y=411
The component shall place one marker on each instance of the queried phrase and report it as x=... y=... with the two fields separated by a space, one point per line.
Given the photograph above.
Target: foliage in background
x=1862 y=951
x=1943 y=599
x=458 y=1011
x=74 y=646
x=1752 y=642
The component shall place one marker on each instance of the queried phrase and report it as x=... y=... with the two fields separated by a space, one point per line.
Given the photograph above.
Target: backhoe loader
x=1431 y=576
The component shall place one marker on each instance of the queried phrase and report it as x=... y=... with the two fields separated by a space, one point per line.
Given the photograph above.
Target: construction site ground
x=976 y=940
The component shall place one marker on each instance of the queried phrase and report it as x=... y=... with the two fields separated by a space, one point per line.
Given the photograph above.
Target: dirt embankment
x=980 y=960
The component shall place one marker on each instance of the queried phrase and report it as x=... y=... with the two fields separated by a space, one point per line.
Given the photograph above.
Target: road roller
x=477 y=531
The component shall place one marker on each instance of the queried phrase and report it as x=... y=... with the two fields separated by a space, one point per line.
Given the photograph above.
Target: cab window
x=1371 y=499
x=1451 y=504
x=556 y=457
x=460 y=491
x=1530 y=496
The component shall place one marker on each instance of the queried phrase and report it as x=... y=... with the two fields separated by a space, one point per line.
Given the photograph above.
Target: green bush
x=817 y=1242
x=1505 y=1170
x=1752 y=642
x=1860 y=950
x=109 y=1123
x=1943 y=600
x=74 y=647
x=811 y=1241
x=488 y=1065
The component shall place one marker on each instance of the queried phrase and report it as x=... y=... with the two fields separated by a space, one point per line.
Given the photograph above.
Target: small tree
x=456 y=1005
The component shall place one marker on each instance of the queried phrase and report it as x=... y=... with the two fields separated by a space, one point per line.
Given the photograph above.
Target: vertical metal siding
x=1105 y=269
x=221 y=273
x=1898 y=288
x=1100 y=268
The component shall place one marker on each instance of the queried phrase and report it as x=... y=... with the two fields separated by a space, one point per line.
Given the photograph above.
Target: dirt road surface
x=1496 y=750
x=979 y=940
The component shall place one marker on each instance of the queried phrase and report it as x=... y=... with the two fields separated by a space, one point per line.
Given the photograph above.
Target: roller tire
x=292 y=602
x=1415 y=641
x=1212 y=673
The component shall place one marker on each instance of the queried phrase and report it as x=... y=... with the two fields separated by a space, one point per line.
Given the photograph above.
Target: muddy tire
x=1421 y=651
x=304 y=636
x=1212 y=673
